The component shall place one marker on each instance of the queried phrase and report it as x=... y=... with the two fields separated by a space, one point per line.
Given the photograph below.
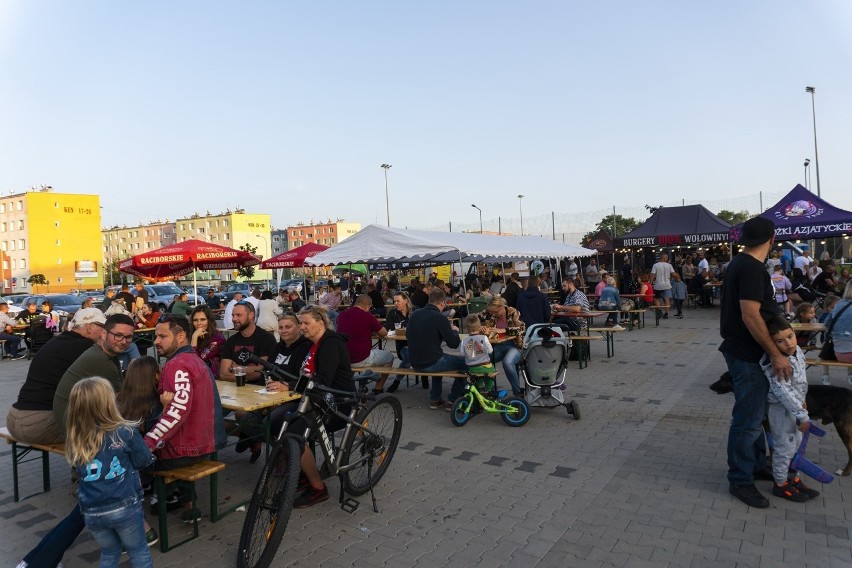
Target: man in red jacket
x=184 y=434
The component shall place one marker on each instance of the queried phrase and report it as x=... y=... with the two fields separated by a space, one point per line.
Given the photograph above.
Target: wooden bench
x=609 y=335
x=826 y=364
x=187 y=476
x=20 y=451
x=634 y=313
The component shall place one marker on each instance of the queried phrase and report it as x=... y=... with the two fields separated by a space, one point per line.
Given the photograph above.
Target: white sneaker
x=22 y=564
x=617 y=327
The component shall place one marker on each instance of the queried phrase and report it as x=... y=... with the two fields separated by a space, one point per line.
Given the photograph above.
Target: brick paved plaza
x=638 y=481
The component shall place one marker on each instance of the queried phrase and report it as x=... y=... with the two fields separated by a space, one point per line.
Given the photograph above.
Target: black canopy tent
x=690 y=225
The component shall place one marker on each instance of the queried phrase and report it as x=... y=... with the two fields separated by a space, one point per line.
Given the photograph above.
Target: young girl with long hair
x=107 y=451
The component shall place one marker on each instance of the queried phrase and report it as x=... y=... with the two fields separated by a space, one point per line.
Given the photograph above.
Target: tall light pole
x=521 y=206
x=266 y=244
x=480 y=217
x=386 y=167
x=811 y=90
x=807 y=163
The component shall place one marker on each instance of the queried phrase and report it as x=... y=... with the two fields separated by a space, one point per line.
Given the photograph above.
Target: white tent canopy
x=375 y=243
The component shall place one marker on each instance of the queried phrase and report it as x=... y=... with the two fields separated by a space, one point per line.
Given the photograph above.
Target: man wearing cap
x=748 y=301
x=99 y=360
x=31 y=418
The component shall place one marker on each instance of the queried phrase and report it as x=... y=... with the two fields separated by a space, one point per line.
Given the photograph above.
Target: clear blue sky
x=289 y=108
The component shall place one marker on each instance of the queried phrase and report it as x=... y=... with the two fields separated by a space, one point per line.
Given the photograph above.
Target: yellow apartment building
x=50 y=233
x=231 y=229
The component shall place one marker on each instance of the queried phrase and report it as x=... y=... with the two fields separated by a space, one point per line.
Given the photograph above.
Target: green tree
x=37 y=280
x=622 y=225
x=248 y=271
x=734 y=218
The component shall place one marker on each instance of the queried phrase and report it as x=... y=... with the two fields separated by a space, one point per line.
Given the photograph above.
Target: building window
x=5 y=265
x=21 y=225
x=20 y=205
x=3 y=227
x=12 y=244
x=22 y=244
x=227 y=236
x=2 y=207
x=56 y=224
x=3 y=246
x=57 y=242
x=224 y=222
x=182 y=226
x=191 y=226
x=14 y=264
x=60 y=279
x=58 y=261
x=23 y=263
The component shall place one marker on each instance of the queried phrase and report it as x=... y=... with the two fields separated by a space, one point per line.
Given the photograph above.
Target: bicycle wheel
x=384 y=419
x=270 y=507
x=522 y=411
x=462 y=410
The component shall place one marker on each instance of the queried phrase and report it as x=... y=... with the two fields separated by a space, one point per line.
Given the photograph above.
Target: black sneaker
x=190 y=516
x=749 y=495
x=789 y=492
x=666 y=316
x=802 y=488
x=393 y=386
x=152 y=537
x=311 y=497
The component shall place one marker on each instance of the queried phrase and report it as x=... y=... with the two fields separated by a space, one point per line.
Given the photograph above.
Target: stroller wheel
x=461 y=411
x=573 y=409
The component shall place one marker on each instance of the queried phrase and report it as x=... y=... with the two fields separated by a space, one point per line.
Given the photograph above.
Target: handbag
x=827 y=351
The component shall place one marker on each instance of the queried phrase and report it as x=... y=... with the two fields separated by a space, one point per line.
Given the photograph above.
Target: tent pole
x=194 y=281
x=461 y=273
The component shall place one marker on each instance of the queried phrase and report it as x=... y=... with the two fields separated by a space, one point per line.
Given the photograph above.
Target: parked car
x=14 y=309
x=97 y=297
x=163 y=295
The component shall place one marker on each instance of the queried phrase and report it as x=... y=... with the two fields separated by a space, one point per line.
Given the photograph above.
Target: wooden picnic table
x=251 y=397
x=809 y=327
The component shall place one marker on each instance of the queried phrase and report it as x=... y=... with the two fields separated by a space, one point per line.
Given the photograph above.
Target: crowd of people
x=172 y=416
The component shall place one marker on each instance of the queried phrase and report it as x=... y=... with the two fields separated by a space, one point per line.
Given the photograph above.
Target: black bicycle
x=363 y=455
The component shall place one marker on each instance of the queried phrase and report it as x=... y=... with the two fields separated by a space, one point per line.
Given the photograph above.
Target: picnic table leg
x=17 y=494
x=610 y=343
x=45 y=471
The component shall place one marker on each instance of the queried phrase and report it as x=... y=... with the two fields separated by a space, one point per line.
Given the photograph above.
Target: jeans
x=48 y=552
x=122 y=527
x=13 y=343
x=404 y=363
x=746 y=445
x=445 y=363
x=509 y=354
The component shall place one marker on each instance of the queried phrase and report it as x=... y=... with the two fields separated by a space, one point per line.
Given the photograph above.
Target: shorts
x=663 y=294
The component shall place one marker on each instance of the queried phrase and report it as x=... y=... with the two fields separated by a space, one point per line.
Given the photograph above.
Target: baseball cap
x=88 y=315
x=757 y=231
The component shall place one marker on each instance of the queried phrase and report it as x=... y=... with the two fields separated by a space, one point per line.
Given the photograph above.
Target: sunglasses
x=166 y=318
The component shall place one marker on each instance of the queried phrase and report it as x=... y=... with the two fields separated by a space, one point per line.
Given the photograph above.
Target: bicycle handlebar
x=283 y=375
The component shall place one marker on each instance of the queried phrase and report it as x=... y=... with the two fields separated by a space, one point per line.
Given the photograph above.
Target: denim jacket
x=841 y=333
x=111 y=480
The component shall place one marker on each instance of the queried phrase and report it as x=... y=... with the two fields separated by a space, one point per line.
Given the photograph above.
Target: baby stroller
x=544 y=364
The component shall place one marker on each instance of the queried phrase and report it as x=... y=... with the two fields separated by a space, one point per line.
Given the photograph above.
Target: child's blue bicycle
x=512 y=409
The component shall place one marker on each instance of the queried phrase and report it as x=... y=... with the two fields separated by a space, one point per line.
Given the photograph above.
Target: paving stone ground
x=638 y=481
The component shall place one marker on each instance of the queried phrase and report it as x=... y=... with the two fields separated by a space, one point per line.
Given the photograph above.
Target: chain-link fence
x=570 y=227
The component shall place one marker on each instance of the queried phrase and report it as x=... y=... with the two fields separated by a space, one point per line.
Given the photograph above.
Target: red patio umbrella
x=182 y=258
x=293 y=258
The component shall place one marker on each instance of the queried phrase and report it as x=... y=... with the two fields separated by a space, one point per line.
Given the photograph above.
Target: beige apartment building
x=327 y=234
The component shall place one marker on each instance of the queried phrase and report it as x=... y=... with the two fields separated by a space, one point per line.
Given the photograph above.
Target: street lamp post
x=811 y=90
x=386 y=167
x=480 y=217
x=521 y=206
x=266 y=245
x=807 y=163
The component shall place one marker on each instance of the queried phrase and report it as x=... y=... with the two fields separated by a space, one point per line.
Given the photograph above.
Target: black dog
x=826 y=403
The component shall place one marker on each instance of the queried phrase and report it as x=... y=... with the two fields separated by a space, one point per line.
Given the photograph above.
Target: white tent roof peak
x=377 y=243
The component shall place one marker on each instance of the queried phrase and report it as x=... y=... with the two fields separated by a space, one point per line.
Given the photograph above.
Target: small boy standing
x=477 y=353
x=787 y=412
x=678 y=294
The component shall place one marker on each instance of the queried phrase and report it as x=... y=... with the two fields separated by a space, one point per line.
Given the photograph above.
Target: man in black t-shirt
x=748 y=301
x=824 y=283
x=249 y=339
